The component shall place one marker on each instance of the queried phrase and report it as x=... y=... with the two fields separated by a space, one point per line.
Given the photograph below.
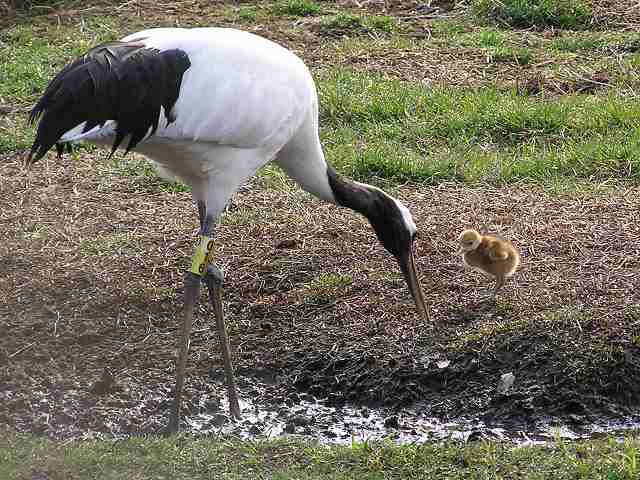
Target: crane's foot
x=173 y=426
x=214 y=279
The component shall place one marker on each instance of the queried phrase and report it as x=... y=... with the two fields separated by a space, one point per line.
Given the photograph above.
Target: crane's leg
x=202 y=269
x=214 y=281
x=192 y=281
x=191 y=292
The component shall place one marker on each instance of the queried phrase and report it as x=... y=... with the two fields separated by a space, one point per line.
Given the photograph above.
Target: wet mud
x=110 y=409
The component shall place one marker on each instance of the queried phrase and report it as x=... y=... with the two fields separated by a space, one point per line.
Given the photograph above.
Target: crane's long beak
x=408 y=267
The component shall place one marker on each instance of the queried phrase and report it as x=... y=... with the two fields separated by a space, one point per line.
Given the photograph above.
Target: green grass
x=297 y=8
x=341 y=21
x=376 y=126
x=15 y=134
x=500 y=46
x=247 y=14
x=486 y=37
x=447 y=28
x=23 y=457
x=110 y=244
x=382 y=23
x=521 y=56
x=345 y=22
x=577 y=44
x=490 y=38
x=30 y=59
x=327 y=287
x=569 y=14
x=596 y=41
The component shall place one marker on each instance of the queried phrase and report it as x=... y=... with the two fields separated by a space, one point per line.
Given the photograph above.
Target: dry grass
x=621 y=14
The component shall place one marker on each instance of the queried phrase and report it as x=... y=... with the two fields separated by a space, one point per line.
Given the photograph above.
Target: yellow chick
x=492 y=256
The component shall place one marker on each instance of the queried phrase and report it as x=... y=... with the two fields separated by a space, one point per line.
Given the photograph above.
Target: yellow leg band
x=203 y=256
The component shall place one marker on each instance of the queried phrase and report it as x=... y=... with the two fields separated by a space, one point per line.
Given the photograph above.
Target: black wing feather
x=121 y=81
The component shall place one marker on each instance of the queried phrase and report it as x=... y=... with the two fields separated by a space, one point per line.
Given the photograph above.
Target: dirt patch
x=590 y=84
x=621 y=14
x=91 y=275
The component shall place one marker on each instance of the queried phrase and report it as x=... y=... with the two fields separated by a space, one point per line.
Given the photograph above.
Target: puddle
x=314 y=419
x=270 y=409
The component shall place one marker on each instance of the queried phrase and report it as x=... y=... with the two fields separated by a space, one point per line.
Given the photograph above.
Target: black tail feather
x=121 y=81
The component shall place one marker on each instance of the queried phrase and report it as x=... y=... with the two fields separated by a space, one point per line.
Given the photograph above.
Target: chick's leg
x=499 y=284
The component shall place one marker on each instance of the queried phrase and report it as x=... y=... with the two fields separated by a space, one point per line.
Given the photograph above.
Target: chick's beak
x=408 y=267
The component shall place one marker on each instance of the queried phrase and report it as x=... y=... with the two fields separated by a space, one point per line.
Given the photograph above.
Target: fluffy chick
x=492 y=256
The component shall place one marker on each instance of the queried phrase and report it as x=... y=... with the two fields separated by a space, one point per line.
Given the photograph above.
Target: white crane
x=210 y=106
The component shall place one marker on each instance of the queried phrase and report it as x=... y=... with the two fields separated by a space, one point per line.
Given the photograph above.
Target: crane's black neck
x=380 y=209
x=358 y=197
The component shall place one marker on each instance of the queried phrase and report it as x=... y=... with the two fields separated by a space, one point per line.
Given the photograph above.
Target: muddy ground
x=91 y=264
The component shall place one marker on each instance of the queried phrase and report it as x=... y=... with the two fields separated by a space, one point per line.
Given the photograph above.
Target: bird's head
x=397 y=232
x=392 y=223
x=469 y=240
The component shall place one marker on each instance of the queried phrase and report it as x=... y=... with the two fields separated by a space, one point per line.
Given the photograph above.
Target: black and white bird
x=210 y=106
